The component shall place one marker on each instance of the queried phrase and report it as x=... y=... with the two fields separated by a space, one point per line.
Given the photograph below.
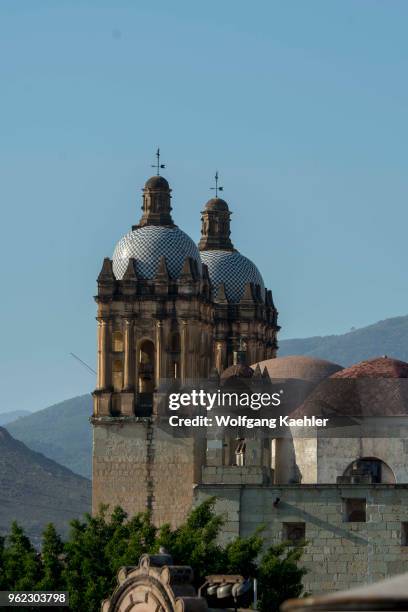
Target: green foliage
x=51 y=551
x=279 y=576
x=87 y=564
x=194 y=543
x=21 y=564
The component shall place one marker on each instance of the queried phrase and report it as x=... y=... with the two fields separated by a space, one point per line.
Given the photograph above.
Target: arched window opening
x=117 y=342
x=146 y=367
x=367 y=470
x=117 y=374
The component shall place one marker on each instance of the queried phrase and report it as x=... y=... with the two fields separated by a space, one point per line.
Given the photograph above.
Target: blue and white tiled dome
x=232 y=269
x=147 y=245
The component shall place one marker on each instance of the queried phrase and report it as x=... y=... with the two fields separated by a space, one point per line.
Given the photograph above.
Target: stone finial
x=188 y=271
x=106 y=279
x=131 y=272
x=162 y=273
x=257 y=372
x=129 y=281
x=106 y=273
x=248 y=295
x=221 y=296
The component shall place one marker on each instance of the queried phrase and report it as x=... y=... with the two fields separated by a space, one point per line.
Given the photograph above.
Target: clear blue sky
x=302 y=106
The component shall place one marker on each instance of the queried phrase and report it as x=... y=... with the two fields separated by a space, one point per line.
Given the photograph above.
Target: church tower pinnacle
x=156 y=199
x=215 y=224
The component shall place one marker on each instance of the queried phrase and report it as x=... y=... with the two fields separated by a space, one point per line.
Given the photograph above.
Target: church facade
x=171 y=312
x=168 y=310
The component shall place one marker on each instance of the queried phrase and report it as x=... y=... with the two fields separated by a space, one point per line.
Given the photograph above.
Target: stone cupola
x=156 y=205
x=215 y=226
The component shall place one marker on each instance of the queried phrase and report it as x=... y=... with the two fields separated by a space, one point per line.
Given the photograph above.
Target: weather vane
x=217 y=188
x=158 y=165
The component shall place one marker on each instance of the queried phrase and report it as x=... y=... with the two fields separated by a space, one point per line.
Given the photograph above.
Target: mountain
x=388 y=337
x=61 y=432
x=12 y=415
x=35 y=490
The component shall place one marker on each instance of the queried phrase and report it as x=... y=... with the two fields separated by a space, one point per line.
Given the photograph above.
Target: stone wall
x=339 y=554
x=139 y=466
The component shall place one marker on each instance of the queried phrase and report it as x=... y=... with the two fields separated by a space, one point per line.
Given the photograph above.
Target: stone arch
x=370 y=470
x=146 y=366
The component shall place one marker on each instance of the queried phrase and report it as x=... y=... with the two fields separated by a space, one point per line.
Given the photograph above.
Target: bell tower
x=155 y=330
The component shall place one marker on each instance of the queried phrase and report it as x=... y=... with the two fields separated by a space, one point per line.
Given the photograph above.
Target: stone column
x=103 y=377
x=128 y=371
x=159 y=352
x=184 y=352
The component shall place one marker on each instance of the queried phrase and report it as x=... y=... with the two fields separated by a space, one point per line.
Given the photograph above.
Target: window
x=404 y=534
x=294 y=533
x=355 y=510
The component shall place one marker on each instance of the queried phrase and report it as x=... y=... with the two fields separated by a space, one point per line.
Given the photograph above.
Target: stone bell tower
x=155 y=327
x=243 y=307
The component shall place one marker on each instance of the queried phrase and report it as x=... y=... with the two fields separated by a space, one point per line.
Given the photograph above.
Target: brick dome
x=372 y=388
x=300 y=367
x=380 y=367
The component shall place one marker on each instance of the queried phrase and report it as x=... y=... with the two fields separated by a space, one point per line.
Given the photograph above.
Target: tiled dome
x=232 y=269
x=148 y=244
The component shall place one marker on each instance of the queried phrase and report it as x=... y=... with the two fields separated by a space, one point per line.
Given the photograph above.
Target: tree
x=279 y=576
x=195 y=542
x=21 y=564
x=51 y=564
x=99 y=545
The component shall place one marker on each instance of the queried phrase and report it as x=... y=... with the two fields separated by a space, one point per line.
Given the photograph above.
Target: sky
x=302 y=108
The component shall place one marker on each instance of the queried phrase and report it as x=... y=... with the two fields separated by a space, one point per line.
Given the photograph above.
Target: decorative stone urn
x=155 y=585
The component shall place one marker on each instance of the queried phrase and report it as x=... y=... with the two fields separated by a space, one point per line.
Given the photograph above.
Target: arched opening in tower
x=146 y=368
x=117 y=374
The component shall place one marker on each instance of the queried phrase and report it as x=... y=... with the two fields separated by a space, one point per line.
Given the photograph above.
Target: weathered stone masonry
x=339 y=554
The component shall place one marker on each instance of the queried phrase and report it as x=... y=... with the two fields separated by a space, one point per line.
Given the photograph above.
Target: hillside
x=12 y=415
x=388 y=337
x=61 y=432
x=35 y=490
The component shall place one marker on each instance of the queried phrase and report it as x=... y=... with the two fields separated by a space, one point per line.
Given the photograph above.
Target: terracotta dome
x=372 y=388
x=380 y=367
x=300 y=367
